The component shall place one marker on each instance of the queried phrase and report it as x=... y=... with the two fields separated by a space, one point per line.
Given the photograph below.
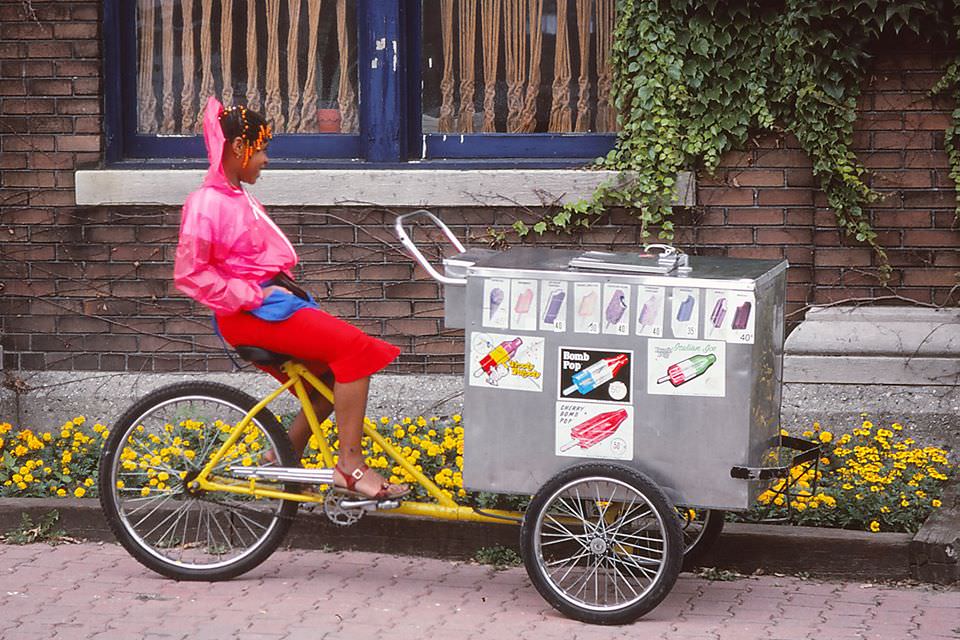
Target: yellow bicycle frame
x=445 y=508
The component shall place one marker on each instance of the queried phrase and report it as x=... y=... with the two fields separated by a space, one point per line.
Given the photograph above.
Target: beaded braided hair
x=250 y=126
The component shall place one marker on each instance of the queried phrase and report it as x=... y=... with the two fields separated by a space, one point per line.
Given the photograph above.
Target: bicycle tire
x=634 y=541
x=132 y=497
x=699 y=537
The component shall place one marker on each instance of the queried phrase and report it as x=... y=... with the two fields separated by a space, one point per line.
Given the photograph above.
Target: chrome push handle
x=418 y=255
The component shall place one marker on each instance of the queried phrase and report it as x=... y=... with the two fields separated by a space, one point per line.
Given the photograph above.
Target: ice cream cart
x=611 y=387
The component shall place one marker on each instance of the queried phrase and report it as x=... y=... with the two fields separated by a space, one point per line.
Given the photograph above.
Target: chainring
x=337 y=514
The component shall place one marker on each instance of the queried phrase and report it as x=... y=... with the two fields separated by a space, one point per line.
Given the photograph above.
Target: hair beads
x=254 y=135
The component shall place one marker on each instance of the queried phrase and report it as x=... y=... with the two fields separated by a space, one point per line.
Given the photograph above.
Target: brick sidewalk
x=97 y=591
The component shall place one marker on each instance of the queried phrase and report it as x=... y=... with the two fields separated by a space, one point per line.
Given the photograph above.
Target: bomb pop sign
x=588 y=374
x=587 y=430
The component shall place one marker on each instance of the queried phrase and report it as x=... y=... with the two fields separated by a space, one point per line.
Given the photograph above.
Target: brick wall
x=89 y=288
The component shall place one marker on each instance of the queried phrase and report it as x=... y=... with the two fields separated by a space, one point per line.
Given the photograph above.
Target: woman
x=232 y=258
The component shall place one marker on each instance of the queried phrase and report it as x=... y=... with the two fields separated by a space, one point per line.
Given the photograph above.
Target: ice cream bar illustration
x=685 y=310
x=648 y=312
x=522 y=306
x=686 y=370
x=596 y=374
x=741 y=316
x=719 y=312
x=588 y=305
x=496 y=298
x=596 y=429
x=499 y=354
x=553 y=306
x=616 y=307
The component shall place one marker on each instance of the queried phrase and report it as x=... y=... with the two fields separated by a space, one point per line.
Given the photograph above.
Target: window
x=446 y=81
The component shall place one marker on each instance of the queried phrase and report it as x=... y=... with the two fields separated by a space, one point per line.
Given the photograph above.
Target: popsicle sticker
x=496 y=303
x=506 y=362
x=616 y=316
x=524 y=305
x=685 y=319
x=650 y=311
x=596 y=374
x=686 y=367
x=686 y=370
x=553 y=302
x=594 y=431
x=742 y=325
x=716 y=314
x=586 y=300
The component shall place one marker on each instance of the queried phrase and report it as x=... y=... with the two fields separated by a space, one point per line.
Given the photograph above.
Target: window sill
x=360 y=187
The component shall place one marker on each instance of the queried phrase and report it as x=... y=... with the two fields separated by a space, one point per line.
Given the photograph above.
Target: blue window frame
x=389 y=132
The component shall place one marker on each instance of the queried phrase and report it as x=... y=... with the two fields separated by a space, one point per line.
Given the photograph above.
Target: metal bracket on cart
x=418 y=255
x=670 y=257
x=809 y=452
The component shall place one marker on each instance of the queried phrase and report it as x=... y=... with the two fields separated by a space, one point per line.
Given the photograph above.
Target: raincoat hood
x=214 y=139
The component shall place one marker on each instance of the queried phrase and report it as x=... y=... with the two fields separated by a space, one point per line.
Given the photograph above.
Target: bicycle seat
x=257 y=355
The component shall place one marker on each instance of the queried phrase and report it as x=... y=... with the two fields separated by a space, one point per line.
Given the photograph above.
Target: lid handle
x=418 y=255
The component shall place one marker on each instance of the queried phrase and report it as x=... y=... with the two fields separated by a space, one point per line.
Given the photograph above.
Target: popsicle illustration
x=596 y=429
x=741 y=316
x=719 y=312
x=686 y=370
x=616 y=307
x=498 y=355
x=496 y=298
x=522 y=305
x=553 y=306
x=596 y=374
x=648 y=312
x=685 y=310
x=588 y=304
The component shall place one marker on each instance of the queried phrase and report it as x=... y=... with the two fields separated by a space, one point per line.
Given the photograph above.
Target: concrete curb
x=824 y=553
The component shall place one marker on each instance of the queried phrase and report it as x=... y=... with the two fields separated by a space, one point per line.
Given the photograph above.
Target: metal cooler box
x=667 y=363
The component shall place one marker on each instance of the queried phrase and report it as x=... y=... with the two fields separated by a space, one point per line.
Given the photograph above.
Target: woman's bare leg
x=351 y=403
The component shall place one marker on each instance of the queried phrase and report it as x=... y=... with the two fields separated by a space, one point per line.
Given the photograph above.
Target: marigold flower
x=874 y=526
x=79 y=491
x=935 y=503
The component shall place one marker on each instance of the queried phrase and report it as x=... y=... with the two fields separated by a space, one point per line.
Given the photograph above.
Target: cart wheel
x=601 y=543
x=701 y=528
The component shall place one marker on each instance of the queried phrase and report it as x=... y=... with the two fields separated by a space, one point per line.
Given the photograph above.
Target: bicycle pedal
x=369 y=504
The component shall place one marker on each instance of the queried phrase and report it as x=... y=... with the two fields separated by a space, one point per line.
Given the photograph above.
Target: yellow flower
x=826 y=436
x=79 y=491
x=874 y=526
x=61 y=492
x=936 y=503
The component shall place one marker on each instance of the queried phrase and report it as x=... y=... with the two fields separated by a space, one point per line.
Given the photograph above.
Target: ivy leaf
x=521 y=228
x=540 y=227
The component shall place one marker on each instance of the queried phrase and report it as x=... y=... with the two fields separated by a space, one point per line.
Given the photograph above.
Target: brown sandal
x=352 y=479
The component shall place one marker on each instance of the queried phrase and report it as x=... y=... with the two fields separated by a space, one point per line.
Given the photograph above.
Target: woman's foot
x=366 y=482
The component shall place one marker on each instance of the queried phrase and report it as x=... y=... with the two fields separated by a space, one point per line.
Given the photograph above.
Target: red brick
x=782 y=158
x=385 y=272
x=929 y=278
x=26 y=31
x=946 y=258
x=724 y=196
x=78 y=68
x=902 y=140
x=935 y=121
x=860 y=278
x=86 y=86
x=13 y=88
x=929 y=198
x=843 y=257
x=786 y=197
x=737 y=158
x=798 y=255
x=78 y=143
x=926 y=159
x=931 y=238
x=757 y=178
x=75 y=31
x=902 y=102
x=27 y=106
x=13 y=160
x=410 y=327
x=86 y=48
x=51 y=161
x=28 y=179
x=418 y=290
x=824 y=295
x=920 y=80
x=902 y=218
x=946 y=220
x=878 y=122
x=883 y=159
x=27 y=143
x=827 y=277
x=800 y=216
x=801 y=178
x=784 y=236
x=79 y=106
x=942 y=180
x=916 y=179
x=48 y=87
x=755 y=216
x=727 y=235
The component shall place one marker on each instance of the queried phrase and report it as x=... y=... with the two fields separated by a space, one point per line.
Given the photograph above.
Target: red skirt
x=316 y=338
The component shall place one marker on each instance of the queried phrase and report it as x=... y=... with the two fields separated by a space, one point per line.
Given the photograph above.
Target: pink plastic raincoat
x=228 y=245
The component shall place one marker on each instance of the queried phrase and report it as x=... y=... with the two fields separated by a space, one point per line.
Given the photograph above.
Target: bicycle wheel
x=601 y=543
x=701 y=528
x=157 y=447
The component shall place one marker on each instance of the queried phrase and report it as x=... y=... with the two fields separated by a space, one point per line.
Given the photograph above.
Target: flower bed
x=873 y=479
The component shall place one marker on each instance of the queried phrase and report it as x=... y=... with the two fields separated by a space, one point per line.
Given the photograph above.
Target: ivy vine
x=694 y=79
